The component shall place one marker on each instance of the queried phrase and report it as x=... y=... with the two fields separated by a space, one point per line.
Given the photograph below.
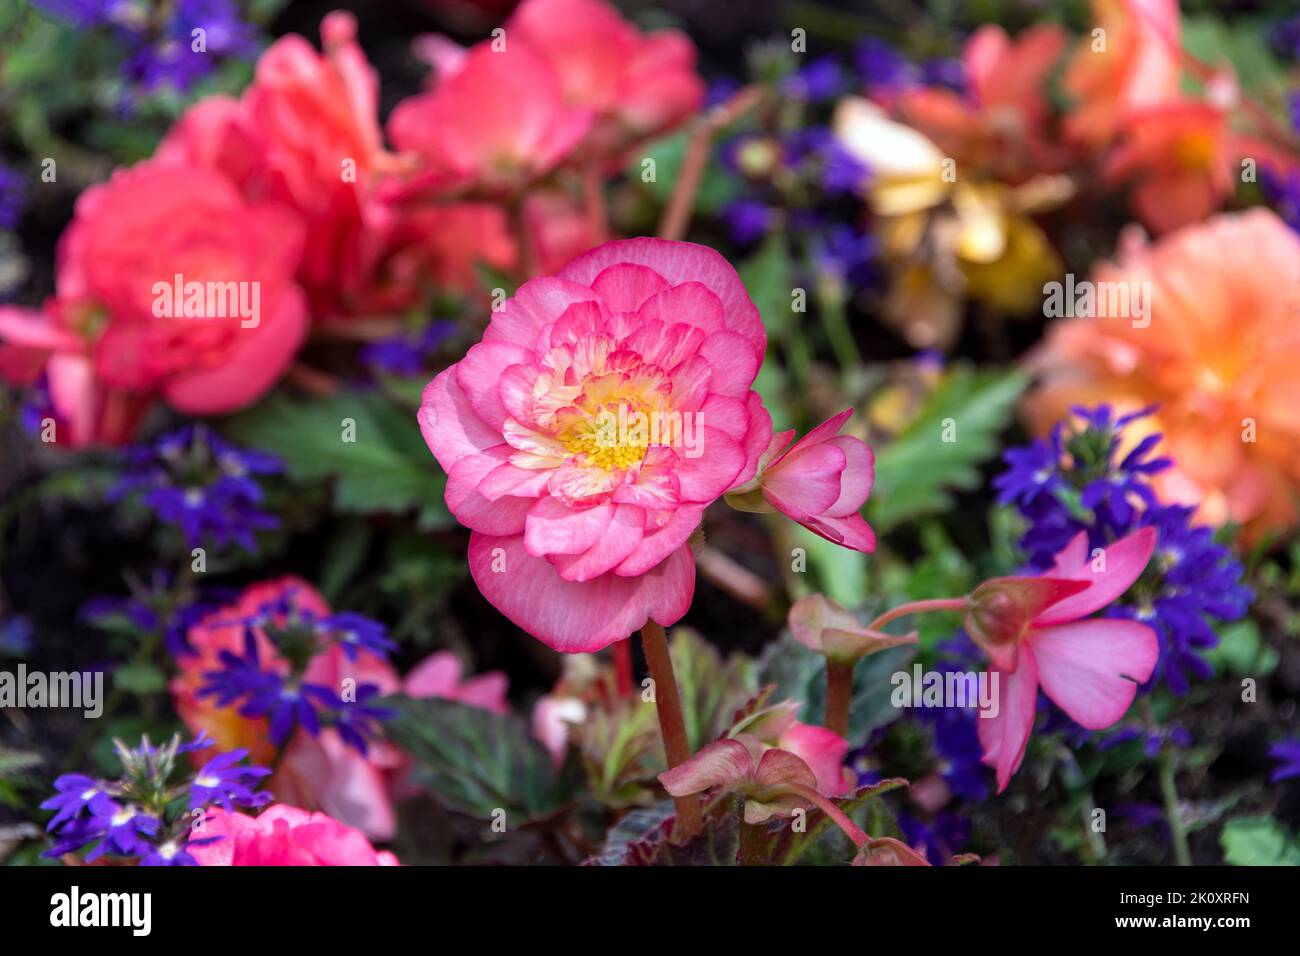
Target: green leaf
x=1242 y=44
x=387 y=468
x=1259 y=841
x=139 y=679
x=475 y=761
x=711 y=689
x=344 y=557
x=917 y=470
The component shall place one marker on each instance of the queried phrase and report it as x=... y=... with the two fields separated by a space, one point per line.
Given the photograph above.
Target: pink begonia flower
x=1036 y=635
x=497 y=122
x=777 y=727
x=767 y=779
x=306 y=133
x=285 y=836
x=115 y=337
x=638 y=85
x=580 y=524
x=819 y=481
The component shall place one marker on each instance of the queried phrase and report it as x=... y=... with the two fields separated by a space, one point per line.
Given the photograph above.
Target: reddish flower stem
x=623 y=667
x=838 y=816
x=839 y=689
x=918 y=607
x=593 y=200
x=677 y=215
x=672 y=726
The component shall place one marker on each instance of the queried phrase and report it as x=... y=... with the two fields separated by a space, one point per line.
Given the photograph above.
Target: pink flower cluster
x=193 y=277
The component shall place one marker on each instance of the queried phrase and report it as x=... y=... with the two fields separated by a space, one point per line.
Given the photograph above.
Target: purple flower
x=77 y=795
x=353 y=631
x=408 y=353
x=124 y=830
x=845 y=253
x=201 y=485
x=13 y=193
x=222 y=781
x=1287 y=755
x=938 y=840
x=822 y=79
x=1282 y=189
x=748 y=220
x=879 y=64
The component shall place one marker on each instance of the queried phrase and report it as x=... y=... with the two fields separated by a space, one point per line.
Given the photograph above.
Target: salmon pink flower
x=637 y=85
x=777 y=727
x=494 y=124
x=583 y=438
x=1217 y=357
x=821 y=481
x=118 y=334
x=1132 y=64
x=282 y=835
x=1037 y=635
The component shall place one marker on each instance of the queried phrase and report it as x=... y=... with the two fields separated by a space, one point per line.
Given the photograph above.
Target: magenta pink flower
x=284 y=836
x=583 y=438
x=820 y=481
x=1036 y=636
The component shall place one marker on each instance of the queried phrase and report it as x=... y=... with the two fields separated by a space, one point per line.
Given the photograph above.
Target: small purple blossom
x=201 y=485
x=1287 y=755
x=223 y=781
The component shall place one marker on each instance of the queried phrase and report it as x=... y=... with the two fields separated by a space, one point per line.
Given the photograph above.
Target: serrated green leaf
x=475 y=761
x=386 y=469
x=711 y=689
x=917 y=470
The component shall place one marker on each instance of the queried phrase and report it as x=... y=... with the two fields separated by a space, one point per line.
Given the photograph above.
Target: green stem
x=1165 y=772
x=836 y=325
x=672 y=726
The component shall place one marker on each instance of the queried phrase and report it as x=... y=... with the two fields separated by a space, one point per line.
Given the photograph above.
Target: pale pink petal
x=501 y=516
x=578 y=617
x=679 y=262
x=1122 y=564
x=851 y=531
x=691 y=302
x=734 y=365
x=486 y=692
x=535 y=305
x=435 y=676
x=706 y=477
x=857 y=478
x=1006 y=735
x=723 y=763
x=823 y=751
x=1092 y=669
x=479 y=375
x=807 y=482
x=665 y=540
x=624 y=287
x=780 y=767
x=617 y=542
x=552 y=527
x=451 y=427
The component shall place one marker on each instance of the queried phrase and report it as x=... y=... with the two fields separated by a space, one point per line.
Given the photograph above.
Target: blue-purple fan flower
x=13 y=193
x=408 y=353
x=1079 y=480
x=201 y=485
x=278 y=690
x=166 y=46
x=1287 y=755
x=147 y=813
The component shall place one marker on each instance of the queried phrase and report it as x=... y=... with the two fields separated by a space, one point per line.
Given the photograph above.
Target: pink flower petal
x=617 y=542
x=723 y=763
x=578 y=617
x=1005 y=736
x=625 y=286
x=552 y=527
x=1124 y=561
x=451 y=427
x=1092 y=668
